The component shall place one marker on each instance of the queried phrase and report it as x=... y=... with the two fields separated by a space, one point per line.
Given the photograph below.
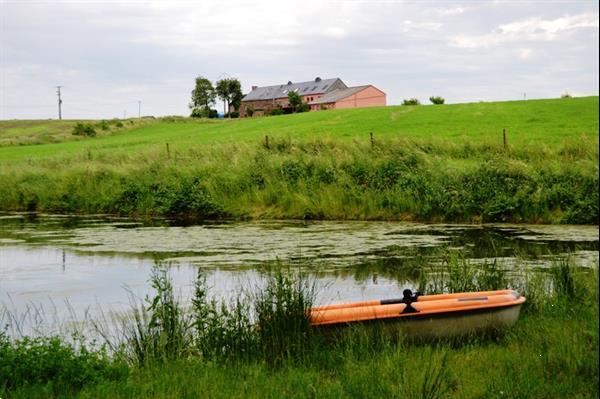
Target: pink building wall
x=368 y=97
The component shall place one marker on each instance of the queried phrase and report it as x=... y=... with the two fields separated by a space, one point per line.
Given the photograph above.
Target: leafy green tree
x=203 y=95
x=294 y=99
x=296 y=102
x=230 y=91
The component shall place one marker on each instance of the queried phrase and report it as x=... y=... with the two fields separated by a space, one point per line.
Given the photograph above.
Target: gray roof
x=338 y=94
x=281 y=91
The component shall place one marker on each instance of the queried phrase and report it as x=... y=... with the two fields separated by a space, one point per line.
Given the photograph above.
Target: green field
x=425 y=163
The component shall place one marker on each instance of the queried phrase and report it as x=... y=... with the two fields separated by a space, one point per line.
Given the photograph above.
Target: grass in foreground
x=551 y=352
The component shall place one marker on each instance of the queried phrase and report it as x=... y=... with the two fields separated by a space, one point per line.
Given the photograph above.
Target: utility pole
x=139 y=109
x=59 y=103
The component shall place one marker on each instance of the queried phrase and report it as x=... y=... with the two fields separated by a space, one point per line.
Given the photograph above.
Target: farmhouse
x=319 y=94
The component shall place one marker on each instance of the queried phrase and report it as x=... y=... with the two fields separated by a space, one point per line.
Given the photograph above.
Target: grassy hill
x=426 y=162
x=547 y=121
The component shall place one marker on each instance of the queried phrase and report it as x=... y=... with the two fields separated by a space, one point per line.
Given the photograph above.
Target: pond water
x=76 y=267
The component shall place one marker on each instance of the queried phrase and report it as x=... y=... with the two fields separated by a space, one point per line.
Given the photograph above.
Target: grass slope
x=534 y=121
x=429 y=163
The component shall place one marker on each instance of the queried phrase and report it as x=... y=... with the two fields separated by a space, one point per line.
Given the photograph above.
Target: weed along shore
x=261 y=344
x=489 y=162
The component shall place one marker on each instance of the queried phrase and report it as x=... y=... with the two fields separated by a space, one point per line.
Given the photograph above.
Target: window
x=324 y=87
x=306 y=88
x=314 y=88
x=285 y=91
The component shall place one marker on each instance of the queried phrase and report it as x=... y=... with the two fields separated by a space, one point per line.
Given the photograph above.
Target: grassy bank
x=212 y=351
x=445 y=163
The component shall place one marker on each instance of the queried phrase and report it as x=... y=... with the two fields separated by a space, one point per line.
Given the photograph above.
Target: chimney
x=254 y=88
x=317 y=79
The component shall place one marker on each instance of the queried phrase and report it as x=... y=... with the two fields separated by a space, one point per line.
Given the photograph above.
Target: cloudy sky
x=109 y=55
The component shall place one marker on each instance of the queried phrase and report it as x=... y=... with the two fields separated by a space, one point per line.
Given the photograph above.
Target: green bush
x=436 y=100
x=84 y=129
x=276 y=111
x=411 y=101
x=304 y=107
x=103 y=125
x=204 y=113
x=50 y=361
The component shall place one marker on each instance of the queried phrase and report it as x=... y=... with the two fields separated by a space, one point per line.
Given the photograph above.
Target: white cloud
x=524 y=53
x=549 y=28
x=531 y=29
x=335 y=32
x=451 y=10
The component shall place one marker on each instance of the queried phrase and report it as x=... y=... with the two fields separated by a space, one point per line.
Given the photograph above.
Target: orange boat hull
x=434 y=315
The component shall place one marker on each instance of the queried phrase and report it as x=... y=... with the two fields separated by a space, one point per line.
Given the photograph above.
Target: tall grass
x=396 y=179
x=260 y=344
x=283 y=317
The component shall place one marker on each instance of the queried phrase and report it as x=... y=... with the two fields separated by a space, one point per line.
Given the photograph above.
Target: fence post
x=267 y=142
x=168 y=151
x=372 y=141
x=504 y=138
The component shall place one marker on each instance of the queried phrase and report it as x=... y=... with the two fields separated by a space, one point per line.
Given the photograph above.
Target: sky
x=118 y=59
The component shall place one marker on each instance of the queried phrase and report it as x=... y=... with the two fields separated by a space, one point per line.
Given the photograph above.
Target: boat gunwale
x=446 y=312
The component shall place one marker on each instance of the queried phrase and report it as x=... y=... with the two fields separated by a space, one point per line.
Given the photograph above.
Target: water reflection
x=49 y=260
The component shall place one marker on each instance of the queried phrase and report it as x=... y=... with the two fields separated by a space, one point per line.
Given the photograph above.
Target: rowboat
x=437 y=316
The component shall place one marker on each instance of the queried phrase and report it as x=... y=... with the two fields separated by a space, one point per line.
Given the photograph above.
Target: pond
x=73 y=268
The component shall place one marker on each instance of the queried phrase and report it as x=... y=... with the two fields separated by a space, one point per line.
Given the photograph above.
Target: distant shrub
x=304 y=107
x=103 y=125
x=173 y=118
x=119 y=124
x=233 y=114
x=197 y=113
x=276 y=111
x=250 y=111
x=84 y=129
x=436 y=100
x=411 y=101
x=204 y=113
x=566 y=95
